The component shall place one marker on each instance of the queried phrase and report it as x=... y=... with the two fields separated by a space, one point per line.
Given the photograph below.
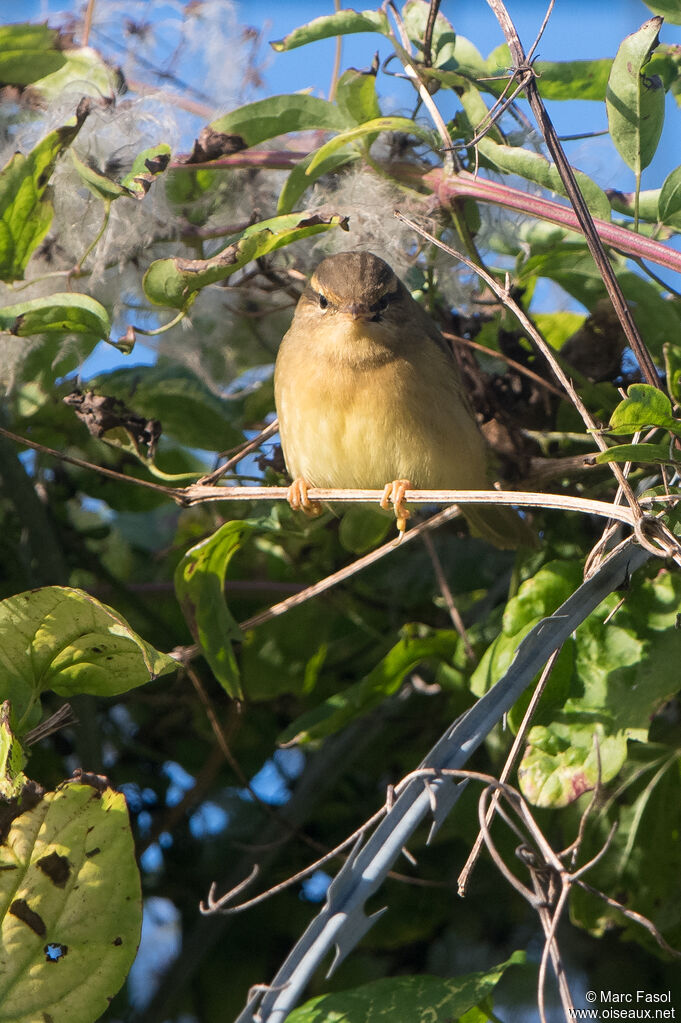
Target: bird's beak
x=358 y=311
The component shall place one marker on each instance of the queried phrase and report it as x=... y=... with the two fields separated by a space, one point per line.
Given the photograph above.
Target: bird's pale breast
x=354 y=412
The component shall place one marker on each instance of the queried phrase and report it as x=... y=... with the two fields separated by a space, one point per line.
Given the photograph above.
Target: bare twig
x=457 y=621
x=428 y=36
x=242 y=451
x=465 y=875
x=572 y=188
x=548 y=354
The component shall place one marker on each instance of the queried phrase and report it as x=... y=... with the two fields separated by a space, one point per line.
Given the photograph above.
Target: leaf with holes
x=72 y=908
x=175 y=282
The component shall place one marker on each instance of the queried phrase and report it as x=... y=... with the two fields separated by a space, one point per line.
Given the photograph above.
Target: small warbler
x=369 y=396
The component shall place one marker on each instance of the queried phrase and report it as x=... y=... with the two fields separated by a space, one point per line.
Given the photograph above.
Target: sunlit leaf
x=174 y=282
x=342 y=23
x=199 y=586
x=418 y=999
x=62 y=639
x=669 y=9
x=25 y=210
x=565 y=760
x=535 y=167
x=61 y=313
x=12 y=758
x=72 y=907
x=669 y=203
x=356 y=96
x=379 y=124
x=661 y=454
x=279 y=115
x=28 y=52
x=643 y=407
x=634 y=100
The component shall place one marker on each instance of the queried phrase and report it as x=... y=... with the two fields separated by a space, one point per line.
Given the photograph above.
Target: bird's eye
x=323 y=301
x=381 y=305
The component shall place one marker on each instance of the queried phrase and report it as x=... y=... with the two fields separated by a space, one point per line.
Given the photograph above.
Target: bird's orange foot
x=393 y=494
x=296 y=495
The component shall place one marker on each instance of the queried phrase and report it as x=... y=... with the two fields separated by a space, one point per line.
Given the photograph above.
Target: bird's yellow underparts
x=393 y=494
x=296 y=495
x=368 y=390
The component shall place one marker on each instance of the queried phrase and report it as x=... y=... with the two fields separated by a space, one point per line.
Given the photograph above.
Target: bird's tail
x=500 y=525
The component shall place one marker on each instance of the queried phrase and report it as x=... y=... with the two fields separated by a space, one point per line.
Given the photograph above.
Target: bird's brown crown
x=354 y=279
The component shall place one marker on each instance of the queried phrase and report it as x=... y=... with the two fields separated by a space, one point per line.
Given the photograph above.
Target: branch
x=526 y=74
x=342 y=922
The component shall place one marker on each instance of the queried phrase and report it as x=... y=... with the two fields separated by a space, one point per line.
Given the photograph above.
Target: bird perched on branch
x=369 y=396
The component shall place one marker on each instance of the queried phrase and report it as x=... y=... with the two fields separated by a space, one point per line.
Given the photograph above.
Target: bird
x=368 y=395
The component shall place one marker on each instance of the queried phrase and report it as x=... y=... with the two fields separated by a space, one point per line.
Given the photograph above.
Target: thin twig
x=245 y=449
x=574 y=194
x=453 y=610
x=428 y=36
x=469 y=866
x=543 y=347
x=518 y=366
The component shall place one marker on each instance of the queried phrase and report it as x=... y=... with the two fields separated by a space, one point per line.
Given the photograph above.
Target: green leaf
x=99 y=184
x=339 y=24
x=27 y=53
x=643 y=863
x=186 y=407
x=672 y=365
x=63 y=639
x=71 y=906
x=464 y=65
x=537 y=168
x=356 y=96
x=300 y=178
x=648 y=204
x=660 y=454
x=145 y=169
x=25 y=210
x=85 y=73
x=279 y=115
x=643 y=407
x=572 y=267
x=199 y=586
x=362 y=528
x=61 y=313
x=669 y=9
x=379 y=124
x=385 y=679
x=565 y=760
x=174 y=282
x=12 y=759
x=635 y=101
x=573 y=79
x=415 y=999
x=556 y=328
x=443 y=44
x=669 y=202
x=536 y=598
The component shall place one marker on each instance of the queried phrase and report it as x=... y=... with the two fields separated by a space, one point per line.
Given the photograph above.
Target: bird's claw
x=296 y=495
x=393 y=494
